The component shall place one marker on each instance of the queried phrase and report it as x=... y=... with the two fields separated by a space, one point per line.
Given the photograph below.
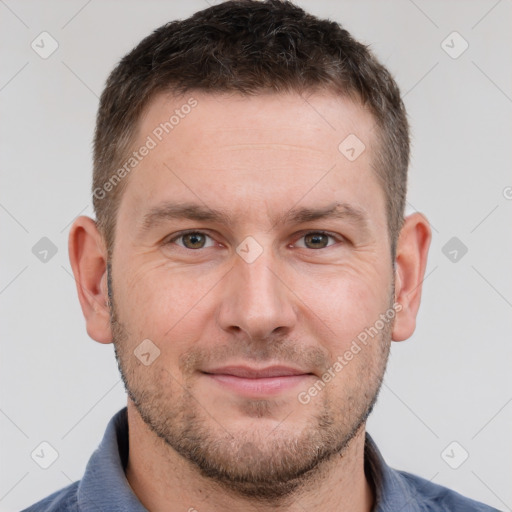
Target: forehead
x=313 y=121
x=237 y=151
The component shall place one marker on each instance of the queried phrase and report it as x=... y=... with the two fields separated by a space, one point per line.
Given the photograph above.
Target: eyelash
x=194 y=231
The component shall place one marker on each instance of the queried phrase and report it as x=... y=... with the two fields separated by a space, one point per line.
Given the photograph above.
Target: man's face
x=250 y=309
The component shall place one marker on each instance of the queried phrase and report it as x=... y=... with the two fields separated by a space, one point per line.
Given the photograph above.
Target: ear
x=88 y=257
x=410 y=262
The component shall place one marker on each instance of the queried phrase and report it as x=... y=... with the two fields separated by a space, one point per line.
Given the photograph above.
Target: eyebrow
x=200 y=212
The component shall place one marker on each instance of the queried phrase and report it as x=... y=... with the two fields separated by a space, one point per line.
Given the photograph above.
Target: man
x=251 y=264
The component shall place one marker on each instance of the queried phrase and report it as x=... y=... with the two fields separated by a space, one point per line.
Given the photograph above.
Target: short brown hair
x=248 y=46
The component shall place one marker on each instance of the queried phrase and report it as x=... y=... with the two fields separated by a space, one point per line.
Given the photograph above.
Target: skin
x=299 y=303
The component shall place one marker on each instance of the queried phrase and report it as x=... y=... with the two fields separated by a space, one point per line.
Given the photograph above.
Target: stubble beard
x=258 y=465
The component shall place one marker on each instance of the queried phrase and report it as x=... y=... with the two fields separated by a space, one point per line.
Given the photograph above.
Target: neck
x=161 y=478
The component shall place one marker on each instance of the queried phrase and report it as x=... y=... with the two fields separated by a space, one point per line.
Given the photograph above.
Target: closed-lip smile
x=256 y=373
x=253 y=382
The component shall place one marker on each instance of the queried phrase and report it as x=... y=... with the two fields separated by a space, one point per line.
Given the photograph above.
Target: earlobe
x=410 y=263
x=88 y=258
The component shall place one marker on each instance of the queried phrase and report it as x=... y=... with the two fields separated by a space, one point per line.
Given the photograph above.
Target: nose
x=256 y=299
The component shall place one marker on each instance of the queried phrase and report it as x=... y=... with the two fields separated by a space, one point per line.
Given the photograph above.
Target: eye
x=192 y=240
x=316 y=240
x=195 y=240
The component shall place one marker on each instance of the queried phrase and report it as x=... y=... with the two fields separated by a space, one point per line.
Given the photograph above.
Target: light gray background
x=450 y=382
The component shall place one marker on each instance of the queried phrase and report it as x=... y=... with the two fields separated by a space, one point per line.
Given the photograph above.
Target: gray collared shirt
x=104 y=486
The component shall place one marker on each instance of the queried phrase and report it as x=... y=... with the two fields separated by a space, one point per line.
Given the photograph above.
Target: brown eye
x=191 y=240
x=316 y=240
x=194 y=240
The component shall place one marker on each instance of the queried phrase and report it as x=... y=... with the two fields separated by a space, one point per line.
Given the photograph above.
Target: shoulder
x=431 y=496
x=399 y=490
x=64 y=500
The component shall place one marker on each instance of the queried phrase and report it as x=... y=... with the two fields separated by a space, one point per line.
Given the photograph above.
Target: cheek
x=161 y=304
x=344 y=304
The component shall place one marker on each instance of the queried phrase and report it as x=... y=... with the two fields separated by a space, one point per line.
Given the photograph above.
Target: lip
x=248 y=372
x=254 y=382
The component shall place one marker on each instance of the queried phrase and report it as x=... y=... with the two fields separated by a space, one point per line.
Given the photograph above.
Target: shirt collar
x=105 y=487
x=391 y=491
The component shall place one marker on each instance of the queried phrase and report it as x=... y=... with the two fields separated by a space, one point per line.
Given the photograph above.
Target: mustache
x=285 y=351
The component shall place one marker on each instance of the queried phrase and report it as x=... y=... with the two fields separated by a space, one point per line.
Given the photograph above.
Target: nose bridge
x=261 y=282
x=255 y=299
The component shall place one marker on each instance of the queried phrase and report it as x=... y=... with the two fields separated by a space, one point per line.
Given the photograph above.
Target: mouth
x=254 y=382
